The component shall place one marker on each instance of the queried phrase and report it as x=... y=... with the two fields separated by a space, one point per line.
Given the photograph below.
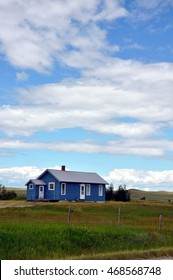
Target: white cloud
x=144 y=10
x=21 y=76
x=17 y=175
x=133 y=46
x=153 y=4
x=128 y=99
x=35 y=33
x=155 y=180
x=147 y=148
x=125 y=98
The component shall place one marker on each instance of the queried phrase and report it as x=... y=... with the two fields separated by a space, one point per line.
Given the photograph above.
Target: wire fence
x=78 y=216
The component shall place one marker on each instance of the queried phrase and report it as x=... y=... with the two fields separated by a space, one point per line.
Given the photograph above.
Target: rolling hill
x=136 y=194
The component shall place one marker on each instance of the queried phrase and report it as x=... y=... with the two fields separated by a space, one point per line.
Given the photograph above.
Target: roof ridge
x=71 y=171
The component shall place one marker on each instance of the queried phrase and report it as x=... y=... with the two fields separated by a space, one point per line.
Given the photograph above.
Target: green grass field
x=41 y=230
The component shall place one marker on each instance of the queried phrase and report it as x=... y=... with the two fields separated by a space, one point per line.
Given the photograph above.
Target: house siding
x=31 y=193
x=50 y=194
x=73 y=192
x=95 y=193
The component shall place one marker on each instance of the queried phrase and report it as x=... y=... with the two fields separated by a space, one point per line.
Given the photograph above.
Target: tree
x=2 y=192
x=122 y=194
x=110 y=192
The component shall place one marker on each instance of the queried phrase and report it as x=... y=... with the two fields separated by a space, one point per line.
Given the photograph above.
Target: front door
x=82 y=191
x=41 y=192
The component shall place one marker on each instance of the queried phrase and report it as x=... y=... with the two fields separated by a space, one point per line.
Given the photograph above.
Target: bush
x=6 y=195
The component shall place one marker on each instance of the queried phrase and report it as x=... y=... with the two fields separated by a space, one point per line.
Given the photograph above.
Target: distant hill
x=151 y=195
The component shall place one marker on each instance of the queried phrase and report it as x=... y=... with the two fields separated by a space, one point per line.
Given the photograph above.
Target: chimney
x=63 y=167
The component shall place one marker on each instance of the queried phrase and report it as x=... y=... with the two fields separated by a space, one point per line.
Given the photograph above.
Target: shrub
x=6 y=195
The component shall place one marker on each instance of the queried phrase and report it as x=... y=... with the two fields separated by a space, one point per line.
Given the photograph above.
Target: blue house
x=61 y=185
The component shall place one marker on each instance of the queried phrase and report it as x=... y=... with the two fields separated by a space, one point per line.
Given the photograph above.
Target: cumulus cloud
x=18 y=176
x=107 y=100
x=33 y=34
x=125 y=98
x=155 y=180
x=15 y=176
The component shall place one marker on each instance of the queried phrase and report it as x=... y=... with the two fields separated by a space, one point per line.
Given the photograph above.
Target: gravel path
x=6 y=204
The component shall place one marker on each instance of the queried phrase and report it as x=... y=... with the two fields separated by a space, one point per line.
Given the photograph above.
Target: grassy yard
x=41 y=230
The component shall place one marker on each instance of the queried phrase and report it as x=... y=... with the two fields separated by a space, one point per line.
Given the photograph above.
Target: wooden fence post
x=69 y=212
x=119 y=211
x=160 y=222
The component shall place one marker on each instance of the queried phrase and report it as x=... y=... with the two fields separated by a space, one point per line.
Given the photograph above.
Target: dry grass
x=14 y=203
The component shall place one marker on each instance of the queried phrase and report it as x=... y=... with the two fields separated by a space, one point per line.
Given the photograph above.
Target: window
x=51 y=186
x=100 y=190
x=88 y=189
x=31 y=186
x=63 y=189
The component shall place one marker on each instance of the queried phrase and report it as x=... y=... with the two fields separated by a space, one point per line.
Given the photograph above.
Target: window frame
x=88 y=189
x=63 y=192
x=31 y=186
x=100 y=190
x=49 y=186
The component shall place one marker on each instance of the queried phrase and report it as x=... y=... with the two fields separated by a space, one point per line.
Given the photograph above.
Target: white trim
x=51 y=186
x=100 y=190
x=41 y=192
x=82 y=191
x=31 y=186
x=88 y=189
x=63 y=188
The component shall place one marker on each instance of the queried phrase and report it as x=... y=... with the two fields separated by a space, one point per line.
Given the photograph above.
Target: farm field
x=45 y=230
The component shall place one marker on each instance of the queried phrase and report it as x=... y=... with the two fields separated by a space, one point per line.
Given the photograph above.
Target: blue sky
x=87 y=85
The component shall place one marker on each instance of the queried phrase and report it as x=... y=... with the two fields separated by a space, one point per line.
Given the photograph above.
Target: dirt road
x=7 y=203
